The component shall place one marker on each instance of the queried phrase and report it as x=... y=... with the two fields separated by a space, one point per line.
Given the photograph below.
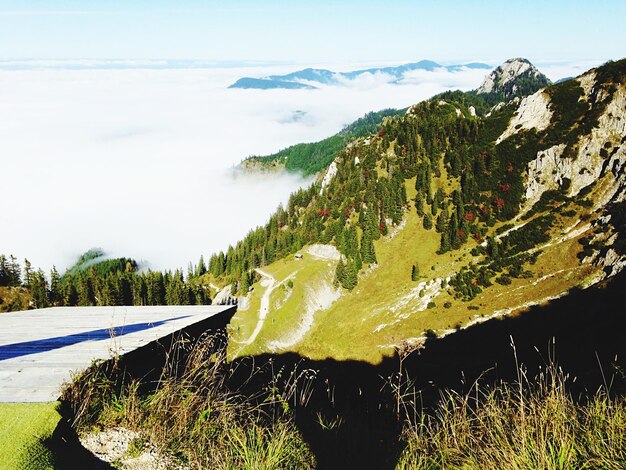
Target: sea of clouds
x=139 y=161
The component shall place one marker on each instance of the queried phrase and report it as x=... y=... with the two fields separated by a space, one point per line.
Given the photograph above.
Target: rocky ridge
x=513 y=78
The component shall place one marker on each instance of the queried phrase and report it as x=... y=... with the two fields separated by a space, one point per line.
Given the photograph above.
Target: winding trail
x=270 y=283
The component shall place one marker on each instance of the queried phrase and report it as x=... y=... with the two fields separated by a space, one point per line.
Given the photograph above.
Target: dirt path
x=269 y=282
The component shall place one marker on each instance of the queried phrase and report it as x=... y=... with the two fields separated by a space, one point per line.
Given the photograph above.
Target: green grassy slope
x=386 y=310
x=23 y=429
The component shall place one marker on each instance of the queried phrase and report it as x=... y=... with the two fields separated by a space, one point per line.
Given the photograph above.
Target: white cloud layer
x=137 y=161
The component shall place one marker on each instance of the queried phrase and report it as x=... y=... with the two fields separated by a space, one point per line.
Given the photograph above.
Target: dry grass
x=524 y=426
x=191 y=415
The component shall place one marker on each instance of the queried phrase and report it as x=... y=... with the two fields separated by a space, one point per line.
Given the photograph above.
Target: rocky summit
x=515 y=77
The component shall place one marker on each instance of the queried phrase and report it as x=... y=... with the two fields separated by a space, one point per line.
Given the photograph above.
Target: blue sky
x=314 y=31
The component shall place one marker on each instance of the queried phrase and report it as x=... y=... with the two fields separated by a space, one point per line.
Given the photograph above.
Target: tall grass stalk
x=529 y=425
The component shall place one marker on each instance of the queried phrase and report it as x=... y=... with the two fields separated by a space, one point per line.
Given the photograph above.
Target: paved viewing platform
x=40 y=350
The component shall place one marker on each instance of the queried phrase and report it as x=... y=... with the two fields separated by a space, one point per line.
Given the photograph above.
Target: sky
x=140 y=161
x=314 y=31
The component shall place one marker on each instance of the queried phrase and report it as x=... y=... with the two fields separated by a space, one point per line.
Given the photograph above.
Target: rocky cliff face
x=516 y=77
x=592 y=164
x=599 y=155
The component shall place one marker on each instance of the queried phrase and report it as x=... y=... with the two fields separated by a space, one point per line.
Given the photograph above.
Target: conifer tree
x=245 y=283
x=453 y=232
x=14 y=272
x=442 y=220
x=419 y=204
x=28 y=272
x=340 y=272
x=444 y=244
x=351 y=274
x=383 y=226
x=415 y=273
x=56 y=294
x=4 y=271
x=368 y=253
x=84 y=289
x=350 y=246
x=434 y=208
x=39 y=288
x=371 y=225
x=428 y=221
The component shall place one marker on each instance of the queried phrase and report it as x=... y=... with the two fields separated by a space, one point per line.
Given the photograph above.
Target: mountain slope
x=311 y=78
x=310 y=158
x=496 y=213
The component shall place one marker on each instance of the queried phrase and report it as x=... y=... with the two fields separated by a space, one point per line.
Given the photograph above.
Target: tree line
x=111 y=282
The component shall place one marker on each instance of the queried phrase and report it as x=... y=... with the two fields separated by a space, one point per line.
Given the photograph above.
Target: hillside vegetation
x=445 y=217
x=310 y=158
x=96 y=279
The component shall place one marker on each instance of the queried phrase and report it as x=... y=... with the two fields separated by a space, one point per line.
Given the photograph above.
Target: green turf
x=23 y=429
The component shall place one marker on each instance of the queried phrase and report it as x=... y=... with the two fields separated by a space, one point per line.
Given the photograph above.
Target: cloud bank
x=137 y=161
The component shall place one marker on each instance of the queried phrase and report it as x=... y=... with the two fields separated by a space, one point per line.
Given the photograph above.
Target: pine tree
x=444 y=244
x=459 y=207
x=383 y=226
x=442 y=220
x=56 y=294
x=419 y=204
x=415 y=273
x=428 y=221
x=155 y=288
x=350 y=246
x=84 y=289
x=351 y=275
x=434 y=208
x=175 y=290
x=245 y=283
x=372 y=225
x=70 y=294
x=368 y=253
x=201 y=269
x=340 y=272
x=139 y=290
x=453 y=231
x=28 y=272
x=39 y=289
x=4 y=271
x=191 y=272
x=15 y=272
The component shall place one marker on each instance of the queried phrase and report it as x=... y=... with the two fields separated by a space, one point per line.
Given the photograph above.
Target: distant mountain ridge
x=309 y=77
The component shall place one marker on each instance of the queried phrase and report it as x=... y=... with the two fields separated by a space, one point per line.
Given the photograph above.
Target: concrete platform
x=41 y=349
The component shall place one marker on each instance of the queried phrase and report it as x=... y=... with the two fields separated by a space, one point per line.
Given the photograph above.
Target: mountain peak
x=515 y=77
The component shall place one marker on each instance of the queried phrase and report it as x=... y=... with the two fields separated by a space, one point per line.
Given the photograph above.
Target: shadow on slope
x=348 y=411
